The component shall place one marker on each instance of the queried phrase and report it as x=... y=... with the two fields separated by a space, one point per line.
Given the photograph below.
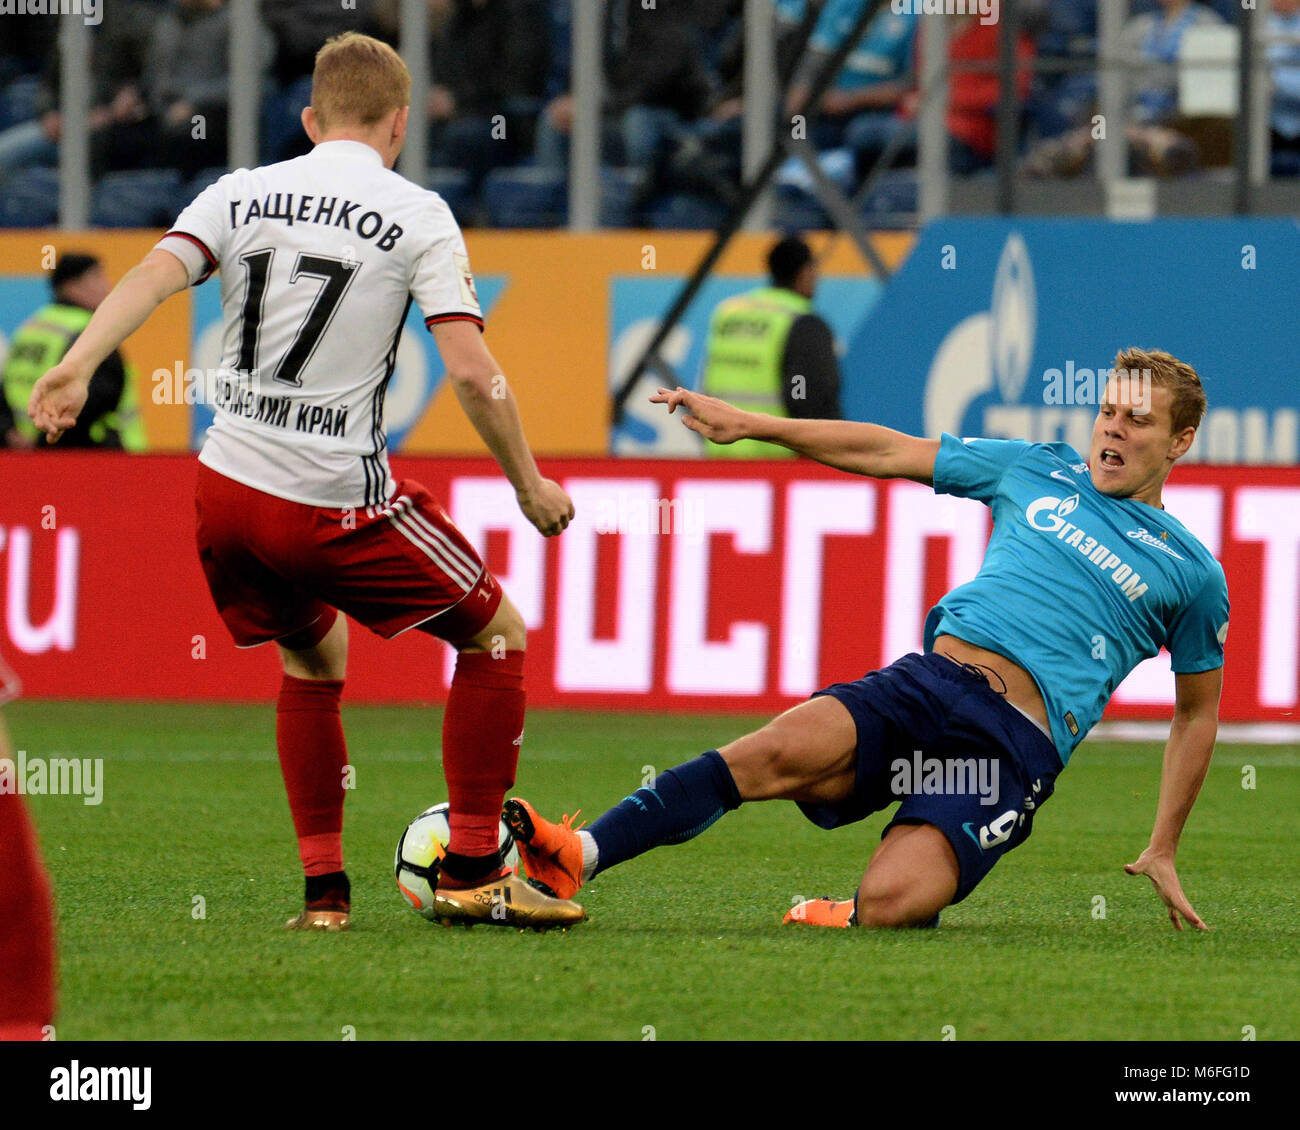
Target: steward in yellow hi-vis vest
x=111 y=418
x=768 y=352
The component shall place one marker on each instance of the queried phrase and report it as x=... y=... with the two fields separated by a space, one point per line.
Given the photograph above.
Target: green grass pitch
x=685 y=943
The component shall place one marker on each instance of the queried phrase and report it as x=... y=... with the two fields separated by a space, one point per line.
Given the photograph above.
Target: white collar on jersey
x=345 y=148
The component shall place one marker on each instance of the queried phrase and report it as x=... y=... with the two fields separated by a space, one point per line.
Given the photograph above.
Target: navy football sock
x=682 y=803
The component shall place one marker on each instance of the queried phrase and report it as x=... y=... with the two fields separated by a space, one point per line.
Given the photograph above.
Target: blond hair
x=357 y=80
x=1166 y=371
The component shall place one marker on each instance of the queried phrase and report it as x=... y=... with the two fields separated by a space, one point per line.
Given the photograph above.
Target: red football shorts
x=275 y=567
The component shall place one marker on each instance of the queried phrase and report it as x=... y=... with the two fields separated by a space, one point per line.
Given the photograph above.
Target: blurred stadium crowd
x=500 y=108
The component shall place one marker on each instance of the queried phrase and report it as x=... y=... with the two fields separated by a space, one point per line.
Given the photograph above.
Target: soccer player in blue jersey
x=1012 y=678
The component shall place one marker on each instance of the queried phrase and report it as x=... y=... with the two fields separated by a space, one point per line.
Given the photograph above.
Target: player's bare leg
x=906 y=884
x=807 y=754
x=482 y=735
x=313 y=757
x=327 y=659
x=911 y=877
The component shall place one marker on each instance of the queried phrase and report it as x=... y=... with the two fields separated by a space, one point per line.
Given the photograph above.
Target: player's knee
x=505 y=632
x=315 y=665
x=892 y=905
x=512 y=631
x=327 y=658
x=881 y=910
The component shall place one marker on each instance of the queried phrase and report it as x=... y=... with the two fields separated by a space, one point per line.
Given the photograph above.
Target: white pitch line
x=1230 y=733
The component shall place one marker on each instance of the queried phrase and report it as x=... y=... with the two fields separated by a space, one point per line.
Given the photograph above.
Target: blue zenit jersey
x=1077 y=587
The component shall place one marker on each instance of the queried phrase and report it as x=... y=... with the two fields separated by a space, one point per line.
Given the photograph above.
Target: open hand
x=1159 y=868
x=714 y=419
x=57 y=399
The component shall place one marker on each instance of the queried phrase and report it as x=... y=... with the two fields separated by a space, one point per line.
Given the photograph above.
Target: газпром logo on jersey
x=1048 y=514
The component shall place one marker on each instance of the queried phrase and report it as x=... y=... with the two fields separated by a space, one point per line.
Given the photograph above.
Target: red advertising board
x=682 y=585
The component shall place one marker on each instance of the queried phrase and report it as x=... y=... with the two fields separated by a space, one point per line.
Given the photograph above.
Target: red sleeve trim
x=207 y=253
x=434 y=319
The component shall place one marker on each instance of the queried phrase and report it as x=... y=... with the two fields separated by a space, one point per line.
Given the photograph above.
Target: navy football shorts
x=934 y=734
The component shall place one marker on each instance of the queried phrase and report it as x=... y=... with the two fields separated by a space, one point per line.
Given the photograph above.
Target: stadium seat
x=893 y=201
x=525 y=197
x=281 y=120
x=1285 y=163
x=1070 y=29
x=191 y=188
x=141 y=198
x=453 y=185
x=797 y=210
x=620 y=194
x=29 y=198
x=18 y=101
x=1228 y=10
x=686 y=211
x=559 y=21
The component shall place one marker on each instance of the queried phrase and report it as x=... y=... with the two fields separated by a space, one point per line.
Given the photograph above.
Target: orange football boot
x=822 y=912
x=836 y=912
x=551 y=853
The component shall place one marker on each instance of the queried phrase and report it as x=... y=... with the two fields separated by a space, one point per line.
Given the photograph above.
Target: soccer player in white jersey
x=298 y=516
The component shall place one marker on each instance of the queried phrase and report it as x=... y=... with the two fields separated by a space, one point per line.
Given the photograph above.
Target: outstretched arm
x=59 y=396
x=863 y=449
x=1187 y=759
x=490 y=406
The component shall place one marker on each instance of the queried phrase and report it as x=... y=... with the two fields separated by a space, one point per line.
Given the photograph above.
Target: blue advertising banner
x=1006 y=329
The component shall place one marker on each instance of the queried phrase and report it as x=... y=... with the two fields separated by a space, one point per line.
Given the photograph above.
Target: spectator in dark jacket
x=655 y=82
x=488 y=67
x=187 y=82
x=119 y=131
x=301 y=27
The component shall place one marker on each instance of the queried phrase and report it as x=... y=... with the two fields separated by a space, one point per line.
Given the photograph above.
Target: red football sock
x=481 y=732
x=309 y=738
x=26 y=934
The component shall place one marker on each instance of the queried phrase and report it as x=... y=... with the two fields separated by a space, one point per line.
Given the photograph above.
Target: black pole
x=1245 y=111
x=1008 y=107
x=811 y=13
x=748 y=194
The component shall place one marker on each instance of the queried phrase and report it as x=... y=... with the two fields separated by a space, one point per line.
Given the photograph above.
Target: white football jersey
x=320 y=258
